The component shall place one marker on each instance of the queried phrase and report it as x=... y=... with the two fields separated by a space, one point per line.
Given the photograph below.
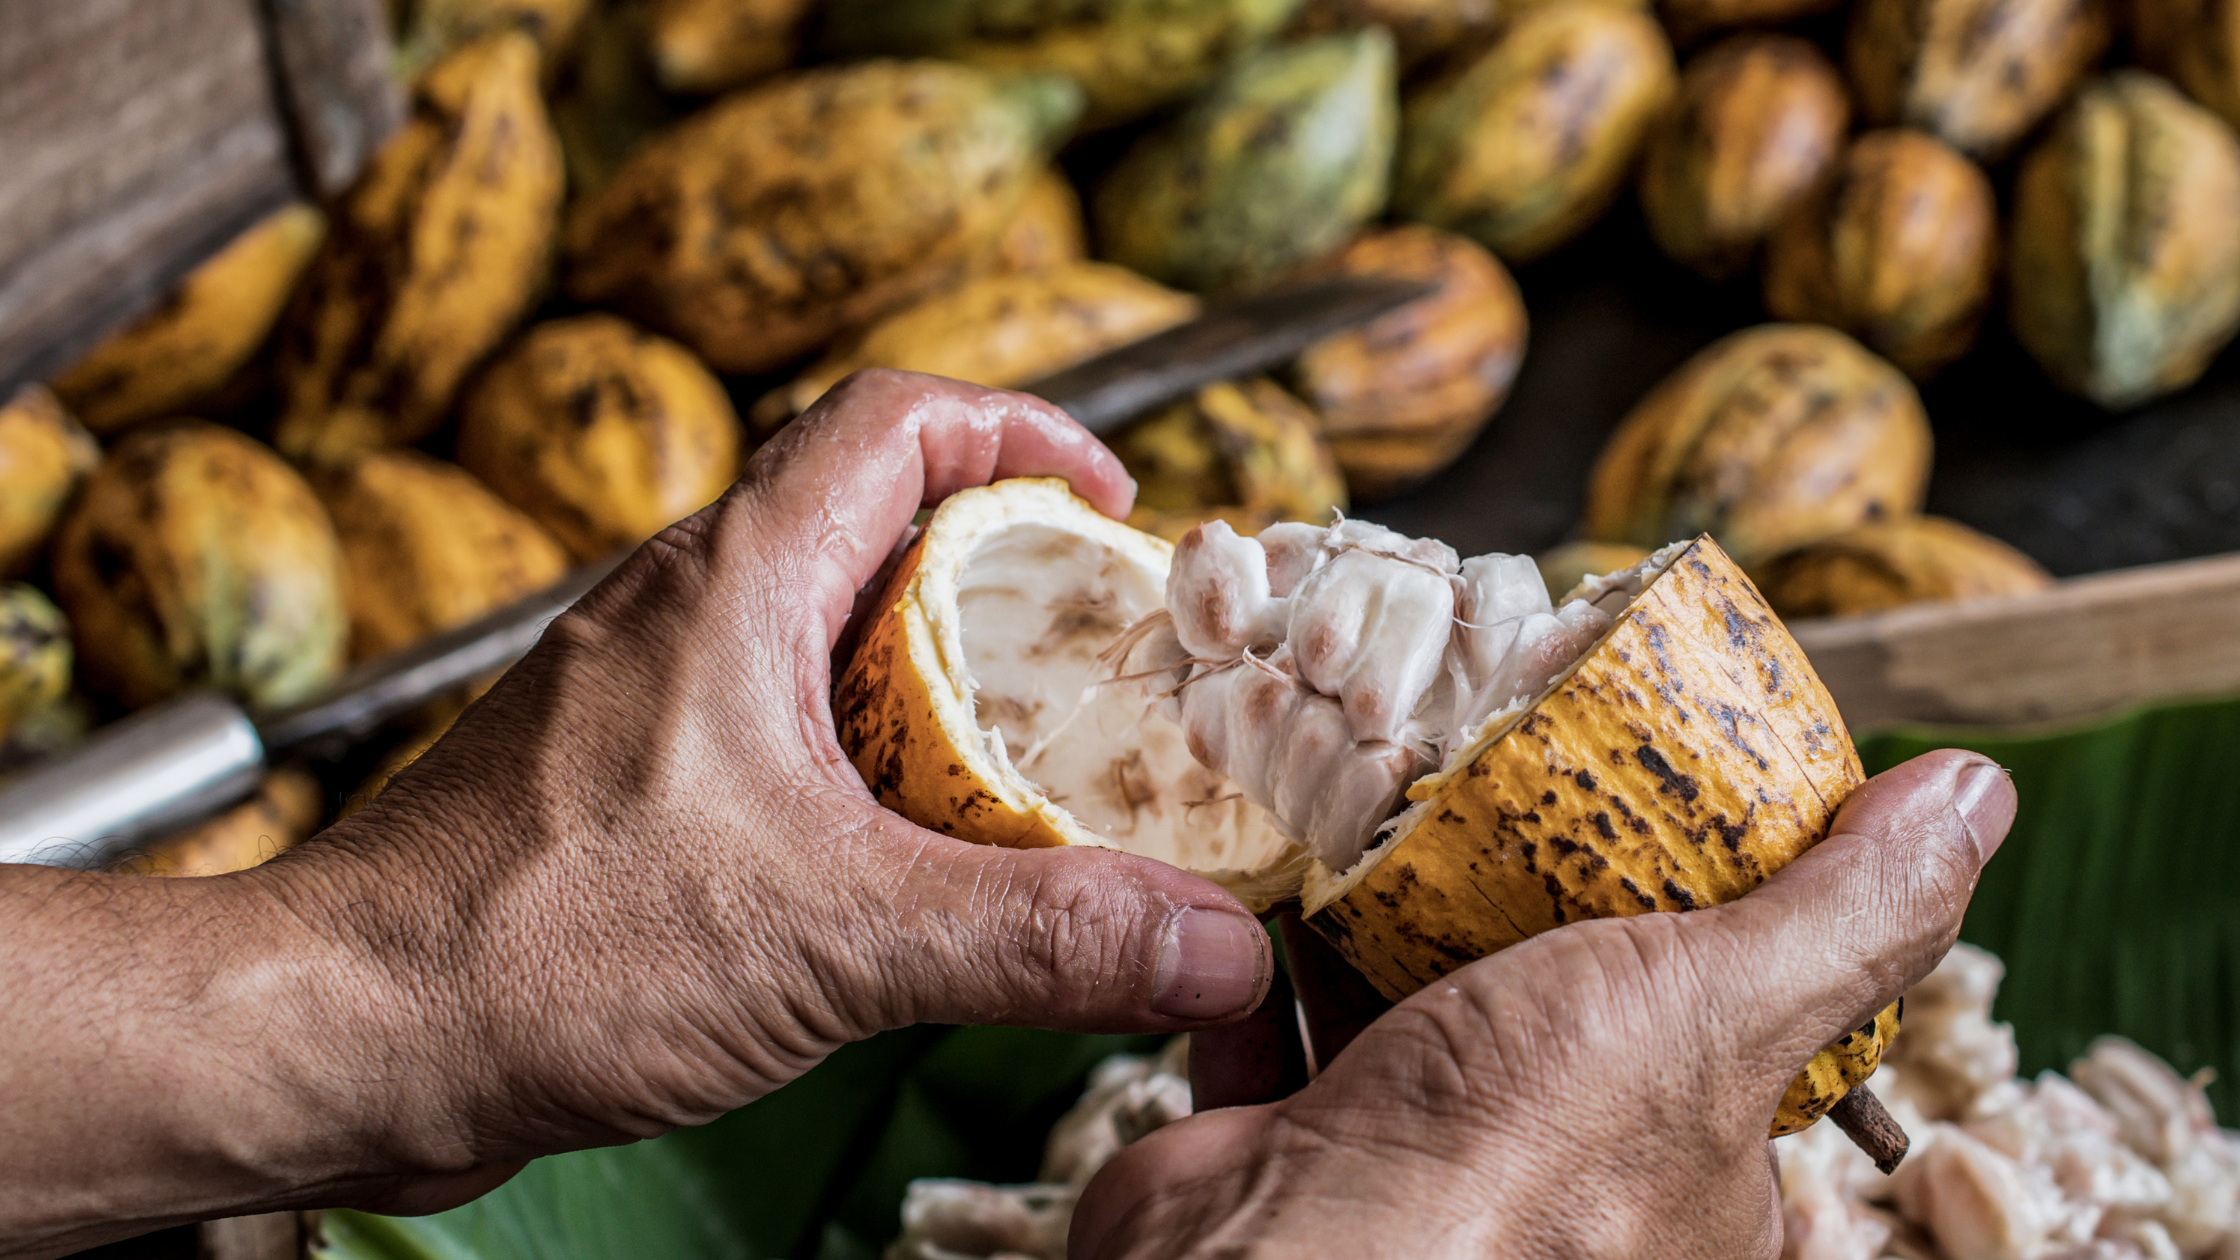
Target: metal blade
x=1231 y=339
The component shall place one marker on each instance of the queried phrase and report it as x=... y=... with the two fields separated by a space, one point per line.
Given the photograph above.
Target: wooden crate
x=141 y=135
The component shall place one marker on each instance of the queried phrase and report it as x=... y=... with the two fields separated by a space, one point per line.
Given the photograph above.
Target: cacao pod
x=1523 y=146
x=34 y=655
x=44 y=454
x=605 y=101
x=1888 y=563
x=1760 y=120
x=716 y=45
x=284 y=812
x=2197 y=44
x=1403 y=395
x=1000 y=330
x=1048 y=229
x=762 y=226
x=1771 y=439
x=433 y=256
x=181 y=353
x=1978 y=74
x=600 y=432
x=432 y=29
x=1244 y=451
x=194 y=557
x=2126 y=242
x=426 y=547
x=1278 y=162
x=1898 y=249
x=1421 y=29
x=1129 y=56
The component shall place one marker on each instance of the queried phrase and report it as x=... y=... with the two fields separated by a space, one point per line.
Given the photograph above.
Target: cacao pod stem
x=1864 y=1120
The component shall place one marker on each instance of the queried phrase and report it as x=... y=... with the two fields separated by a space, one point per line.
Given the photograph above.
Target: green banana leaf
x=2115 y=903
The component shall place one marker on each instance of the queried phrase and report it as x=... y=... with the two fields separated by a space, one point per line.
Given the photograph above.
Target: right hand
x=1602 y=1090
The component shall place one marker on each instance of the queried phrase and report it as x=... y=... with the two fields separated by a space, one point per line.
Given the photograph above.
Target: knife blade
x=176 y=762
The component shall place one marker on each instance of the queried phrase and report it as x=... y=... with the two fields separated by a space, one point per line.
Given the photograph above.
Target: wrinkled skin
x=1600 y=1090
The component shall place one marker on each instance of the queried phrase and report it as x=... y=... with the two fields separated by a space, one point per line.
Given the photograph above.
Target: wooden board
x=141 y=135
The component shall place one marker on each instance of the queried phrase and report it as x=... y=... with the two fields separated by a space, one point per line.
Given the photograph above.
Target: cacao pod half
x=1978 y=74
x=600 y=432
x=1760 y=120
x=1903 y=560
x=433 y=256
x=776 y=218
x=1402 y=396
x=194 y=557
x=44 y=454
x=1771 y=439
x=1525 y=145
x=1278 y=162
x=2126 y=242
x=1898 y=249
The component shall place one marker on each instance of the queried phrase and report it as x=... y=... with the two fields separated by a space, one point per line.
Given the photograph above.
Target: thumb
x=1081 y=939
x=1857 y=920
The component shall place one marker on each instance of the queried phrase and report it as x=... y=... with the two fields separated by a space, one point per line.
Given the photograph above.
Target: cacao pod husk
x=1898 y=248
x=1129 y=57
x=771 y=221
x=1977 y=74
x=717 y=45
x=426 y=547
x=1771 y=439
x=1403 y=395
x=34 y=655
x=1526 y=144
x=1889 y=563
x=1245 y=451
x=195 y=557
x=190 y=345
x=44 y=454
x=432 y=258
x=1276 y=163
x=602 y=433
x=2125 y=242
x=999 y=330
x=1760 y=119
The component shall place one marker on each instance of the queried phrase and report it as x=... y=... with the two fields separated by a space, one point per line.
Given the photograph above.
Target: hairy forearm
x=172 y=1052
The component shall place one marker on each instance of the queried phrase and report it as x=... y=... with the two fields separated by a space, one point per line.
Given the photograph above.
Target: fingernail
x=1213 y=965
x=1985 y=804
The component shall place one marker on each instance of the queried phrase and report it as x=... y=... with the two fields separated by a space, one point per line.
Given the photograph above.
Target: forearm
x=174 y=1049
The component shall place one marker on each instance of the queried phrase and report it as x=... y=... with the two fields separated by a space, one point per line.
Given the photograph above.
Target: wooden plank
x=137 y=137
x=332 y=58
x=2090 y=647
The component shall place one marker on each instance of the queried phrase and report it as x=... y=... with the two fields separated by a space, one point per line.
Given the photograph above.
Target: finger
x=839 y=484
x=1255 y=1060
x=1075 y=938
x=1857 y=920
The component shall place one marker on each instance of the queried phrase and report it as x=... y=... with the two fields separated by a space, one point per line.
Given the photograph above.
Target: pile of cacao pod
x=617 y=244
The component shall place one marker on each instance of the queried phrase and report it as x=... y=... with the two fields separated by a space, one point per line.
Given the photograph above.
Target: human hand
x=1600 y=1090
x=638 y=885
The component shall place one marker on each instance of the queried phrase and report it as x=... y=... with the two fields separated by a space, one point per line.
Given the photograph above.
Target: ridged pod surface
x=1276 y=163
x=193 y=342
x=1129 y=56
x=1979 y=74
x=1771 y=438
x=2125 y=242
x=1525 y=145
x=1001 y=329
x=1760 y=120
x=1247 y=446
x=433 y=256
x=716 y=45
x=44 y=454
x=283 y=813
x=194 y=557
x=1886 y=564
x=34 y=654
x=1898 y=248
x=1404 y=394
x=426 y=547
x=2197 y=44
x=778 y=217
x=1686 y=758
x=602 y=433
